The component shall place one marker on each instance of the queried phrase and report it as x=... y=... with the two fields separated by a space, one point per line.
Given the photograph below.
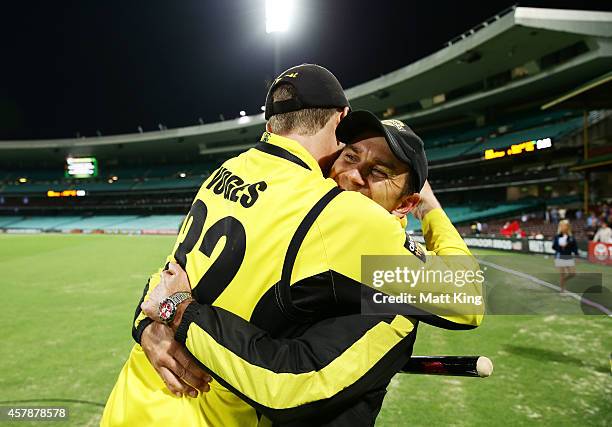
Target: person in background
x=565 y=248
x=604 y=234
x=592 y=220
x=475 y=227
x=578 y=214
x=591 y=225
x=554 y=215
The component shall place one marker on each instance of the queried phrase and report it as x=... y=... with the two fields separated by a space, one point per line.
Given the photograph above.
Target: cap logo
x=395 y=123
x=291 y=75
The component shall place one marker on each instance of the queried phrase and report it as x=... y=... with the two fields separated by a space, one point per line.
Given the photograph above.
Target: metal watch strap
x=179 y=297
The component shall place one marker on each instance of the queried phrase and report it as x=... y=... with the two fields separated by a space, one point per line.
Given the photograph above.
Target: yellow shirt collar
x=294 y=148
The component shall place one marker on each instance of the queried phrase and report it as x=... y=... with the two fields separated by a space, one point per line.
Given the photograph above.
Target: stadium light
x=23 y=180
x=182 y=174
x=242 y=113
x=263 y=108
x=278 y=15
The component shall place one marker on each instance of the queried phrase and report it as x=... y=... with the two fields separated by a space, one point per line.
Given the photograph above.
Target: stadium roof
x=596 y=94
x=519 y=55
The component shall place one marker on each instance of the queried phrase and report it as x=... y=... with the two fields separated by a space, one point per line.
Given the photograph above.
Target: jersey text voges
x=234 y=189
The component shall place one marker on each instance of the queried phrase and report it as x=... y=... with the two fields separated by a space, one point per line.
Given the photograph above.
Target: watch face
x=166 y=310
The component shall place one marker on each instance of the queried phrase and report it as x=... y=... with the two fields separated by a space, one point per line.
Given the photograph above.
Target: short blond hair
x=569 y=226
x=306 y=122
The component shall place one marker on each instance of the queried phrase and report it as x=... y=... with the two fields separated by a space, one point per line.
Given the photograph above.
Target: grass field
x=69 y=301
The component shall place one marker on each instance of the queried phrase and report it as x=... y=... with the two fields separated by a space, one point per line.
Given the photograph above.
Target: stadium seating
x=457 y=214
x=468 y=133
x=168 y=184
x=478 y=140
x=463 y=214
x=28 y=188
x=100 y=222
x=44 y=223
x=454 y=143
x=154 y=222
x=6 y=221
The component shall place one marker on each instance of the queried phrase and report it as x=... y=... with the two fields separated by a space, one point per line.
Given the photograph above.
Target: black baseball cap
x=403 y=142
x=315 y=87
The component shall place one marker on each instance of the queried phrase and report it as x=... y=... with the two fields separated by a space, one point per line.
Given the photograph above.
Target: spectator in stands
x=554 y=215
x=562 y=213
x=592 y=220
x=512 y=229
x=604 y=234
x=476 y=228
x=591 y=225
x=505 y=230
x=578 y=214
x=565 y=247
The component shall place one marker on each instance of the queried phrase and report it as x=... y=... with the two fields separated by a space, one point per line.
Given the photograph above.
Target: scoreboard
x=518 y=149
x=83 y=167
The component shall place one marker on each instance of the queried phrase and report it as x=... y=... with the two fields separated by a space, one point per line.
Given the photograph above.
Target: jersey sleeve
x=141 y=321
x=447 y=267
x=287 y=379
x=441 y=236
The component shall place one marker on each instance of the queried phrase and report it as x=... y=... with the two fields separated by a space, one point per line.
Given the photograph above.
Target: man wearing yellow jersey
x=309 y=238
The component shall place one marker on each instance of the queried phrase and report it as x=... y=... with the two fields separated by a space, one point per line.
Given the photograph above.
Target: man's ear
x=406 y=205
x=268 y=127
x=340 y=116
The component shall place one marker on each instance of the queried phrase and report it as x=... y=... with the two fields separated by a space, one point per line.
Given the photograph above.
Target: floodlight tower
x=278 y=19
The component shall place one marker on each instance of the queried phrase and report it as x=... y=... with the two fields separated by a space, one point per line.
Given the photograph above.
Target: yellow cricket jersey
x=273 y=253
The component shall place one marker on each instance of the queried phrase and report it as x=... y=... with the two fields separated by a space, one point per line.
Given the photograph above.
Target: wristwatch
x=167 y=308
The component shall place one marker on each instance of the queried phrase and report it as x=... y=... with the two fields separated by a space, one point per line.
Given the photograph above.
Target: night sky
x=110 y=66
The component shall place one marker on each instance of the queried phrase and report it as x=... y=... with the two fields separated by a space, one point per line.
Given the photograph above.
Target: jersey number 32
x=227 y=264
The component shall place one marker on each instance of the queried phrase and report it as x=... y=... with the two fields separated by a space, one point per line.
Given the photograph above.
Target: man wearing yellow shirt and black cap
x=290 y=264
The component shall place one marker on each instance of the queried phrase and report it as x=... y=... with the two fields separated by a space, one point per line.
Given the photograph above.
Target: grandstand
x=158 y=224
x=479 y=93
